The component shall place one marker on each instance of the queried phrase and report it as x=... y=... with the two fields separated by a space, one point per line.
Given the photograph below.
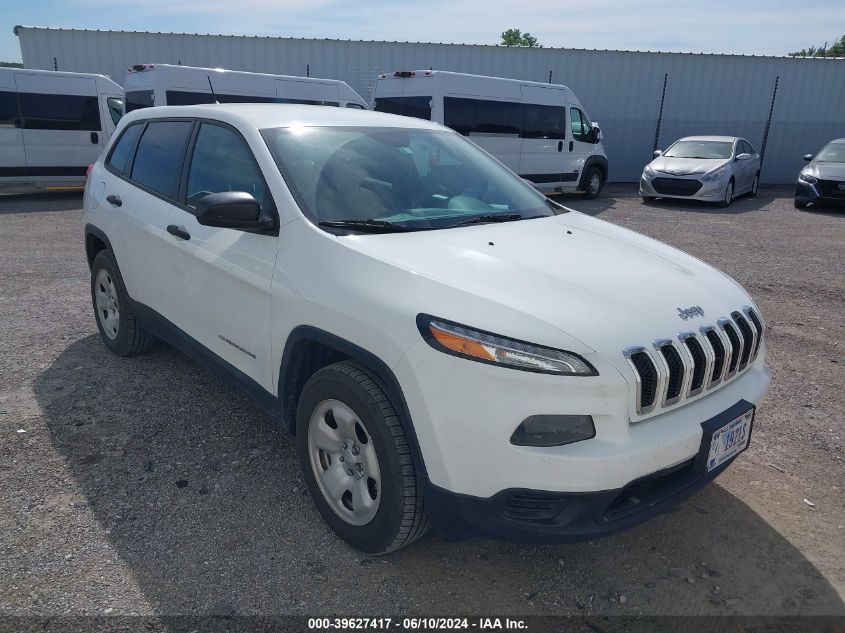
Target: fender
x=90 y=229
x=594 y=160
x=383 y=375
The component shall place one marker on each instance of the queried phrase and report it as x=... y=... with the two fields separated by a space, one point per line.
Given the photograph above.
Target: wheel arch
x=600 y=162
x=95 y=241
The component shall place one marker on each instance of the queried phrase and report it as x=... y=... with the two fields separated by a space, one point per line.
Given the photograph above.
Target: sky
x=769 y=27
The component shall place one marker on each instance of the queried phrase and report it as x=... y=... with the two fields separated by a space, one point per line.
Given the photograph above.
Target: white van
x=53 y=125
x=540 y=131
x=167 y=84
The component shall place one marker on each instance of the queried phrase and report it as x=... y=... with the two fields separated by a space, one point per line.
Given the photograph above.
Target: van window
x=306 y=102
x=122 y=151
x=115 y=106
x=9 y=113
x=138 y=99
x=356 y=106
x=59 y=112
x=482 y=116
x=581 y=126
x=418 y=107
x=222 y=162
x=186 y=97
x=158 y=160
x=543 y=121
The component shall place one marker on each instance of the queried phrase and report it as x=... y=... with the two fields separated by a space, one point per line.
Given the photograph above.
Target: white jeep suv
x=449 y=346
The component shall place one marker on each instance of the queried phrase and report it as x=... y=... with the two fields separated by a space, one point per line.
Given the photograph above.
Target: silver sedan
x=710 y=168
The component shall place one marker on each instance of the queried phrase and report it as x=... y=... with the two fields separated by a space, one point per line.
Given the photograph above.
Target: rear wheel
x=356 y=460
x=729 y=194
x=119 y=329
x=754 y=184
x=594 y=183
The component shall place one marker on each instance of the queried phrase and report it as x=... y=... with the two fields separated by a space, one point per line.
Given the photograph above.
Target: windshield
x=700 y=149
x=404 y=178
x=832 y=153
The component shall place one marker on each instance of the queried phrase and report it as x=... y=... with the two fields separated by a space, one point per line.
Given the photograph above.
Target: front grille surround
x=676 y=186
x=694 y=361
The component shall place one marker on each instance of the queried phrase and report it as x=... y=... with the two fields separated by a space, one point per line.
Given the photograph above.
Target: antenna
x=213 y=94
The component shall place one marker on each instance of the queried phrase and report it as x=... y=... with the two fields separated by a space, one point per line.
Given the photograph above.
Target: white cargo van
x=541 y=131
x=167 y=84
x=53 y=125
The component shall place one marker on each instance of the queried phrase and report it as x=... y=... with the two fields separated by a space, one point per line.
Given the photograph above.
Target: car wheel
x=729 y=194
x=648 y=199
x=594 y=183
x=356 y=460
x=754 y=184
x=800 y=205
x=119 y=329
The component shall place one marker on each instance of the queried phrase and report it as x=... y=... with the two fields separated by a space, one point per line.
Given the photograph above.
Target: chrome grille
x=677 y=369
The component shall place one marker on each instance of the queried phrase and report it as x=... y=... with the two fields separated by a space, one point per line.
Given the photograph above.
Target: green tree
x=837 y=49
x=515 y=37
x=11 y=65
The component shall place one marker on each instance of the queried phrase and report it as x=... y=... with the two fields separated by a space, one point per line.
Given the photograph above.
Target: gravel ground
x=145 y=486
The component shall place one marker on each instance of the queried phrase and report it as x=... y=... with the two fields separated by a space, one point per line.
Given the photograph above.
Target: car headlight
x=713 y=176
x=484 y=347
x=649 y=170
x=808 y=177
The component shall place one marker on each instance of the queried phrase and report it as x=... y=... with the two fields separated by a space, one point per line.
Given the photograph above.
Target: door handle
x=571 y=145
x=560 y=146
x=95 y=138
x=114 y=200
x=178 y=231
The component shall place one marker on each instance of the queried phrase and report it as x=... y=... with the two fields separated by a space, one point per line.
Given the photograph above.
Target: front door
x=545 y=156
x=581 y=145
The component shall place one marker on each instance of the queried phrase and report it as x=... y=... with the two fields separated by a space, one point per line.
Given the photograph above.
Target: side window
x=115 y=106
x=418 y=107
x=497 y=117
x=747 y=148
x=59 y=112
x=158 y=159
x=222 y=162
x=459 y=114
x=543 y=121
x=9 y=113
x=580 y=125
x=137 y=99
x=122 y=152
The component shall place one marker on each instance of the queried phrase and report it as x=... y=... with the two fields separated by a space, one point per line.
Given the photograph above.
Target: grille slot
x=736 y=344
x=747 y=338
x=648 y=378
x=758 y=324
x=718 y=354
x=533 y=507
x=676 y=372
x=699 y=363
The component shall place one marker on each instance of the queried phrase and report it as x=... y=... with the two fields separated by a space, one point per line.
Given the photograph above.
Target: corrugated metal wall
x=623 y=91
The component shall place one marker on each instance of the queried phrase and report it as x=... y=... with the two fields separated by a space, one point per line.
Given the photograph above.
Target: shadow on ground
x=11 y=203
x=201 y=496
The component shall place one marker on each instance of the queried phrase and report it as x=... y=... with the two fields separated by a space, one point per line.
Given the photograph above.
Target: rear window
x=122 y=151
x=59 y=112
x=418 y=107
x=9 y=114
x=158 y=159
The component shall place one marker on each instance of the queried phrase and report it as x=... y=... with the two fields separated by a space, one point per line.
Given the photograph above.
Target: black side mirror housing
x=231 y=210
x=808 y=157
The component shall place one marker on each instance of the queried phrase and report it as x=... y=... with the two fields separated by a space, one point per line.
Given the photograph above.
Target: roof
x=18 y=27
x=725 y=139
x=270 y=115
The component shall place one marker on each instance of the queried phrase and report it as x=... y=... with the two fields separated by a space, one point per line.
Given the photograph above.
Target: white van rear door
x=307 y=92
x=12 y=156
x=546 y=160
x=62 y=129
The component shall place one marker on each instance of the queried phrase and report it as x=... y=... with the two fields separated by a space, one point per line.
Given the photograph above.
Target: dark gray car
x=823 y=179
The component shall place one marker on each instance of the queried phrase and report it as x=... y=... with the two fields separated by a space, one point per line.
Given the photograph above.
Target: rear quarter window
x=159 y=157
x=122 y=152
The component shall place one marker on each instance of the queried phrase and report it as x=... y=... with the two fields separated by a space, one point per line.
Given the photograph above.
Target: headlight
x=807 y=177
x=649 y=170
x=713 y=176
x=485 y=347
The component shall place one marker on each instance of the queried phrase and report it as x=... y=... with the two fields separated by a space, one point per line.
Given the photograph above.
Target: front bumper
x=806 y=193
x=709 y=191
x=552 y=517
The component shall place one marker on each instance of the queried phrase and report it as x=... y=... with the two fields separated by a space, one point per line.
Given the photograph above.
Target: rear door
x=12 y=156
x=62 y=129
x=223 y=275
x=545 y=154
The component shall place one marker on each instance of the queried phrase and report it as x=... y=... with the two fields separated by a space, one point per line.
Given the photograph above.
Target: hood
x=687 y=166
x=604 y=285
x=830 y=171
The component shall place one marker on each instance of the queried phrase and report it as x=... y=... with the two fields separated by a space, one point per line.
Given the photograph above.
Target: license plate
x=730 y=440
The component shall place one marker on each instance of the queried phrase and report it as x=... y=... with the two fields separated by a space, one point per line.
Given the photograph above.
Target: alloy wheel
x=108 y=305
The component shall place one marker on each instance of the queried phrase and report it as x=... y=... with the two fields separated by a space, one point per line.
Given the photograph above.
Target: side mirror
x=808 y=157
x=231 y=210
x=596 y=131
x=743 y=156
x=658 y=152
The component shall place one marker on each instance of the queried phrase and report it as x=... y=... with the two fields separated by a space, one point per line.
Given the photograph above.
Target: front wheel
x=648 y=199
x=595 y=181
x=800 y=205
x=356 y=460
x=729 y=195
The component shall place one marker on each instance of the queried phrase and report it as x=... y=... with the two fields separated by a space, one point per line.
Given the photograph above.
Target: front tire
x=356 y=460
x=648 y=199
x=594 y=183
x=729 y=195
x=116 y=321
x=800 y=205
x=754 y=184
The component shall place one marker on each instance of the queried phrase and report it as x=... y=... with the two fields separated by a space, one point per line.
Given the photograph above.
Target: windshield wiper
x=488 y=217
x=367 y=226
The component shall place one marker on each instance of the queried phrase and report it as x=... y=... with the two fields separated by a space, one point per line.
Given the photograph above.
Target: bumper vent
x=676 y=186
x=681 y=369
x=529 y=507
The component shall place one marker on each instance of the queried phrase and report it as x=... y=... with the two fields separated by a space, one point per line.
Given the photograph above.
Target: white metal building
x=784 y=106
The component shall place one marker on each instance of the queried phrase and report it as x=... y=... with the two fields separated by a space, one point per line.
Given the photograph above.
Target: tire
x=359 y=472
x=729 y=195
x=119 y=329
x=648 y=199
x=754 y=184
x=800 y=205
x=593 y=183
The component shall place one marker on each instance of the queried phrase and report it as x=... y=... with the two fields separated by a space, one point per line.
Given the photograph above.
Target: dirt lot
x=145 y=486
